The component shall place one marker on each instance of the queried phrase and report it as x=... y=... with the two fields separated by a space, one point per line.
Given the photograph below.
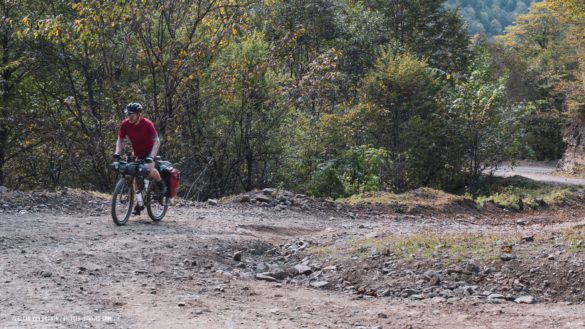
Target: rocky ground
x=273 y=259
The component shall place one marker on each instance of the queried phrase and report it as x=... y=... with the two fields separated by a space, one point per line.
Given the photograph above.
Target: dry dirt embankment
x=277 y=260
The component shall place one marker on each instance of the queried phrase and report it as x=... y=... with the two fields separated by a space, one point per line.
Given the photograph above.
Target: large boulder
x=263 y=198
x=574 y=137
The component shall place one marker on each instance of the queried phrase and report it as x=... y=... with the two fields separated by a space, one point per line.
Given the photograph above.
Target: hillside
x=490 y=17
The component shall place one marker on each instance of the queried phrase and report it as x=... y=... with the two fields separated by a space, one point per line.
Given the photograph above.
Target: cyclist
x=145 y=143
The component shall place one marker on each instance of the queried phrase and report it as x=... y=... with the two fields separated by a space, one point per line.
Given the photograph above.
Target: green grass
x=576 y=238
x=450 y=248
x=326 y=251
x=577 y=171
x=411 y=201
x=512 y=193
x=518 y=194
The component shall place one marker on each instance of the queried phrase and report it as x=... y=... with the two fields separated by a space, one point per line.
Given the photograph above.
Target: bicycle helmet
x=133 y=108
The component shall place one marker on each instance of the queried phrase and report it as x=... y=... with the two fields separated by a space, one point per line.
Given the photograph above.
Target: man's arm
x=155 y=147
x=119 y=145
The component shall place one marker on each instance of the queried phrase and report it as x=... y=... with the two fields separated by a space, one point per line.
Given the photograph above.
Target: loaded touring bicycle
x=134 y=188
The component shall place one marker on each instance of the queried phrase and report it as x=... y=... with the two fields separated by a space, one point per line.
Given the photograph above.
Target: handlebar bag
x=134 y=169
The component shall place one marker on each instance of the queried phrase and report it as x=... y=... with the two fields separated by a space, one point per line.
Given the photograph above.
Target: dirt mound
x=64 y=201
x=438 y=267
x=419 y=201
x=281 y=200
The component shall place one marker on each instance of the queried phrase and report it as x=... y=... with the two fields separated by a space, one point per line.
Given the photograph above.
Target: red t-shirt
x=141 y=136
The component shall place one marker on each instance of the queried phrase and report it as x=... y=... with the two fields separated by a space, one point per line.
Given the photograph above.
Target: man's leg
x=154 y=174
x=138 y=207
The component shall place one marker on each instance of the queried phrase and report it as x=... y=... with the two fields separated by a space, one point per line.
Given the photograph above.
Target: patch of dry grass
x=522 y=194
x=451 y=248
x=575 y=236
x=422 y=197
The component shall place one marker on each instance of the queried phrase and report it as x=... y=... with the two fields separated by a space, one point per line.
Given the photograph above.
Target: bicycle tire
x=152 y=204
x=122 y=200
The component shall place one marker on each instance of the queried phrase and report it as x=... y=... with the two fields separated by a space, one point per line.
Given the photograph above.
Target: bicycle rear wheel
x=156 y=205
x=122 y=201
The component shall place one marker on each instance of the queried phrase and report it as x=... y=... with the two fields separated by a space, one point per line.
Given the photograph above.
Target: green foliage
x=421 y=27
x=427 y=29
x=20 y=126
x=361 y=32
x=508 y=200
x=520 y=194
x=481 y=123
x=402 y=110
x=354 y=171
x=248 y=108
x=543 y=126
x=331 y=97
x=451 y=247
x=326 y=180
x=303 y=27
x=538 y=60
x=575 y=236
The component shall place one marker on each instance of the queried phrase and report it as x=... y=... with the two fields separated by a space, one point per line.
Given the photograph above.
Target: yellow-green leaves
x=550 y=40
x=26 y=22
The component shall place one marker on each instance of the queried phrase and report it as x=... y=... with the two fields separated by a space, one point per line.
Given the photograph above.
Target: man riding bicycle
x=145 y=144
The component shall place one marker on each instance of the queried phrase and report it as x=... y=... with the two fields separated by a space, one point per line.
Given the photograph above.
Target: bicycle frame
x=139 y=185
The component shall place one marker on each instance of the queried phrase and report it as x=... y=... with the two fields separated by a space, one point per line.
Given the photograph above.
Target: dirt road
x=77 y=271
x=539 y=171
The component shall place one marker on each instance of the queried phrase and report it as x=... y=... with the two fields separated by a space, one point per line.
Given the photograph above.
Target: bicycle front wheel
x=122 y=201
x=156 y=205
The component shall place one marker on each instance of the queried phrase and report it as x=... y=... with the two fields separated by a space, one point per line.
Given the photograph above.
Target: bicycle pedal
x=137 y=210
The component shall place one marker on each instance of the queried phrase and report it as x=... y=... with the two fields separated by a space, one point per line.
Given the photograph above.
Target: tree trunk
x=6 y=74
x=395 y=146
x=3 y=139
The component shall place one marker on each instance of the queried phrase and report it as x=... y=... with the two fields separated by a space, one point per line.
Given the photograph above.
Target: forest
x=489 y=17
x=326 y=97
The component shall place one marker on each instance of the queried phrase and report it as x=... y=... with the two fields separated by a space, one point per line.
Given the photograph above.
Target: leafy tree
x=361 y=33
x=17 y=118
x=248 y=111
x=356 y=170
x=572 y=13
x=482 y=127
x=537 y=58
x=89 y=74
x=304 y=27
x=426 y=29
x=399 y=106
